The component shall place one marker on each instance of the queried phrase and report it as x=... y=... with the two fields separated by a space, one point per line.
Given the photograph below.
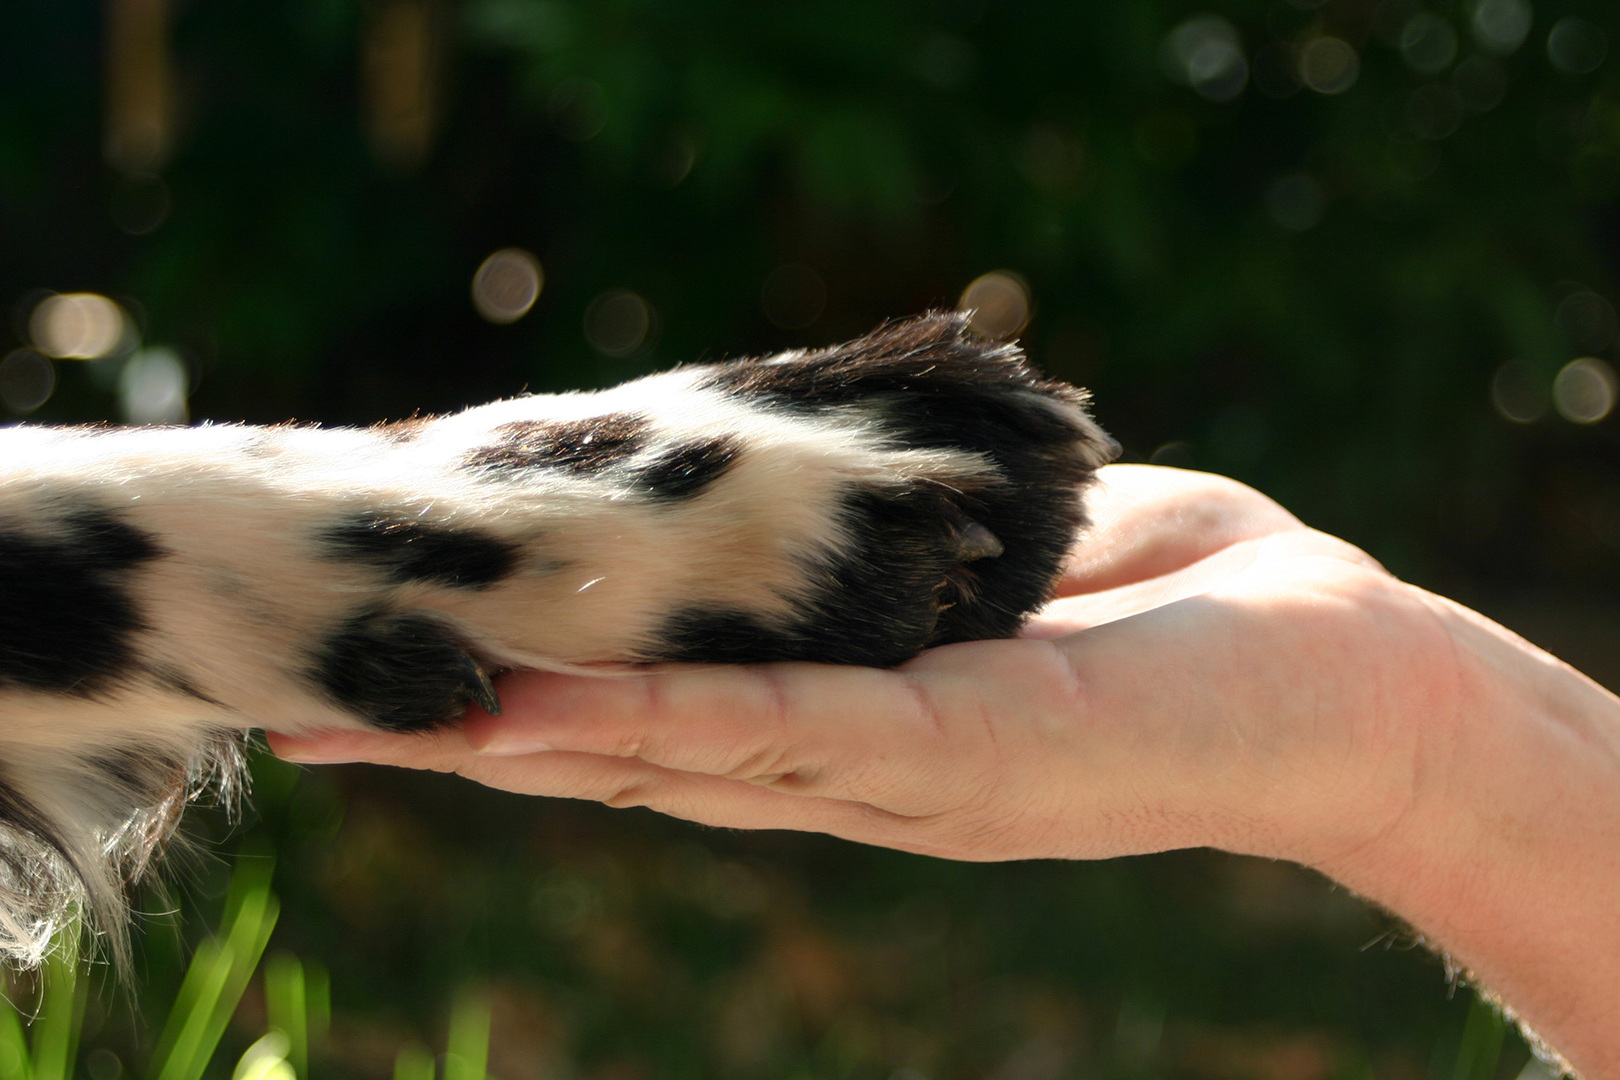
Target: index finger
x=882 y=737
x=725 y=720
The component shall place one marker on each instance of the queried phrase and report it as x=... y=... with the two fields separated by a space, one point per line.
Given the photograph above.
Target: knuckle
x=627 y=744
x=767 y=764
x=624 y=796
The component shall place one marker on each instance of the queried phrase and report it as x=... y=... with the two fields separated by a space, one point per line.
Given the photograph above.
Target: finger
x=1232 y=565
x=787 y=725
x=439 y=751
x=907 y=740
x=1081 y=611
x=629 y=782
x=723 y=803
x=1151 y=521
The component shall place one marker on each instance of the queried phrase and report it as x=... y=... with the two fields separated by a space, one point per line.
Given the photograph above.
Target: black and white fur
x=164 y=589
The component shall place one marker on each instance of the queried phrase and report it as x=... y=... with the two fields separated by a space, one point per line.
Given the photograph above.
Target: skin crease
x=1213 y=673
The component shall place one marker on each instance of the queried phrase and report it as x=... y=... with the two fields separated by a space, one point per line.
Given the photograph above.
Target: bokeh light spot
x=1428 y=44
x=1587 y=320
x=152 y=387
x=1329 y=65
x=507 y=284
x=1519 y=392
x=1205 y=53
x=77 y=326
x=1576 y=46
x=1433 y=112
x=400 y=84
x=1500 y=26
x=674 y=161
x=618 y=322
x=579 y=109
x=102 y=1064
x=27 y=381
x=997 y=304
x=1584 y=390
x=141 y=86
x=1481 y=83
x=793 y=296
x=1295 y=202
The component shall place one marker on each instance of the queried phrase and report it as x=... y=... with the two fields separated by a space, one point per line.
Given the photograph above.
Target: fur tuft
x=75 y=836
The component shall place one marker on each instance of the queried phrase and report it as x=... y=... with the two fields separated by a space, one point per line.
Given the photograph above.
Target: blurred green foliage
x=1358 y=300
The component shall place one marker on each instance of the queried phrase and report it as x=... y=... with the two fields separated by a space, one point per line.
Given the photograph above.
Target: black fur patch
x=725 y=637
x=67 y=621
x=931 y=360
x=581 y=446
x=899 y=586
x=880 y=603
x=399 y=671
x=686 y=471
x=422 y=551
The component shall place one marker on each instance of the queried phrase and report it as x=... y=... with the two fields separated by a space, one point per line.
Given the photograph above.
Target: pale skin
x=1213 y=674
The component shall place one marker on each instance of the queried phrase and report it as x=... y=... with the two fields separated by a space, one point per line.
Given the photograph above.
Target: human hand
x=1213 y=673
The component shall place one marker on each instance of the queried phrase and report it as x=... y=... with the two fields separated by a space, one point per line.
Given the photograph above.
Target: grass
x=296 y=998
x=296 y=1014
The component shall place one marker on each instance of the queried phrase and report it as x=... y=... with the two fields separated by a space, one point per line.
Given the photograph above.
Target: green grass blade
x=1481 y=1045
x=61 y=1015
x=249 y=936
x=467 y=1048
x=218 y=975
x=266 y=1059
x=203 y=984
x=287 y=1006
x=318 y=997
x=16 y=1063
x=413 y=1063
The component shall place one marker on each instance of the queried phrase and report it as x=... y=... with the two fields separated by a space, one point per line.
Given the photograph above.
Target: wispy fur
x=76 y=831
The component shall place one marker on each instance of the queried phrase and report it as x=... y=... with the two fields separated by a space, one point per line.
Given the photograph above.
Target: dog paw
x=961 y=525
x=855 y=505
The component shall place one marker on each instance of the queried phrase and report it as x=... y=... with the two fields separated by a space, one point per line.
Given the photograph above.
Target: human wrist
x=1346 y=690
x=1508 y=854
x=1519 y=725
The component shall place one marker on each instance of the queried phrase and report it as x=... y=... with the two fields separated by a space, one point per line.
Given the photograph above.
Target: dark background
x=1340 y=250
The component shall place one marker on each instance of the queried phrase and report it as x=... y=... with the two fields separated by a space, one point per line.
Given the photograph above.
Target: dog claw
x=976 y=542
x=479 y=689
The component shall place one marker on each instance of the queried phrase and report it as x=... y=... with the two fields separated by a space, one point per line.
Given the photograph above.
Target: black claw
x=478 y=688
x=976 y=542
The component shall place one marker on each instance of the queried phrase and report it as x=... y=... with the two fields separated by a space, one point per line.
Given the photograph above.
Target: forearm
x=1509 y=856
